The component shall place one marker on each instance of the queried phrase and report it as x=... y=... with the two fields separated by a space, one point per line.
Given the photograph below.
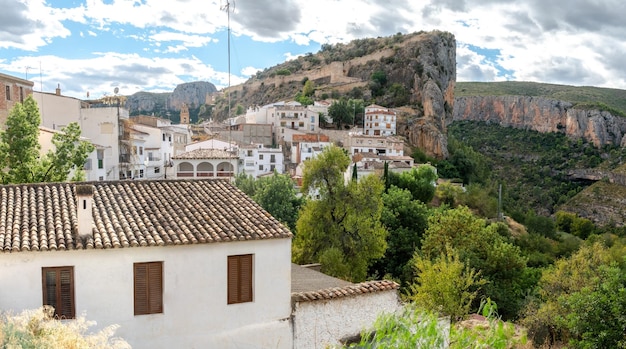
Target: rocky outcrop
x=544 y=115
x=193 y=94
x=420 y=71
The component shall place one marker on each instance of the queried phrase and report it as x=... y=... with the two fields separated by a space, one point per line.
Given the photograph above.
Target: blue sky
x=153 y=45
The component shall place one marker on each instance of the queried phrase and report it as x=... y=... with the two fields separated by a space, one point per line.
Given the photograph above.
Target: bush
x=38 y=329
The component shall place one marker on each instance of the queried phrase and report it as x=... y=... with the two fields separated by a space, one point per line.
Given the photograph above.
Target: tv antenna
x=227 y=7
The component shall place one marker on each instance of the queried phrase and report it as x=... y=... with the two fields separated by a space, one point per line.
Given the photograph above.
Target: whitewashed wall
x=196 y=314
x=320 y=323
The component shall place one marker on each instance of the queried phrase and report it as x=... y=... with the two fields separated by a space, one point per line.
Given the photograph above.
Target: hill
x=582 y=97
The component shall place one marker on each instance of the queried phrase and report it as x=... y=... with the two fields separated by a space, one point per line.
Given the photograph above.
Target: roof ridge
x=345 y=291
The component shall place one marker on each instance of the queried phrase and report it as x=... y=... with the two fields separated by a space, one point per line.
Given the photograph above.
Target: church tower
x=184 y=114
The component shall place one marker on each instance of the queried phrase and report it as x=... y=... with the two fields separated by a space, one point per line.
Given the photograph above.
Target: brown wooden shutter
x=148 y=288
x=245 y=283
x=141 y=288
x=233 y=279
x=66 y=285
x=240 y=279
x=155 y=287
x=58 y=291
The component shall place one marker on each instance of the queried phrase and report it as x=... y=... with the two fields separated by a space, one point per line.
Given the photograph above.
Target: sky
x=93 y=46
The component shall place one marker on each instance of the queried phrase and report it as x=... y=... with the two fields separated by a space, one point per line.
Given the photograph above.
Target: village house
x=177 y=264
x=257 y=160
x=380 y=145
x=12 y=90
x=379 y=121
x=203 y=163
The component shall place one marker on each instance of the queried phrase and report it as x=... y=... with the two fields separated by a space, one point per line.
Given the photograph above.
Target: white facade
x=257 y=160
x=195 y=311
x=323 y=323
x=212 y=144
x=287 y=118
x=379 y=121
x=305 y=150
x=99 y=125
x=388 y=146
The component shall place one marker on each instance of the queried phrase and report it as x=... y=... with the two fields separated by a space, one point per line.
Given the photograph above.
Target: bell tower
x=184 y=114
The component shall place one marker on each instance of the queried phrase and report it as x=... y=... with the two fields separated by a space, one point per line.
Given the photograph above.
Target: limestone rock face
x=193 y=94
x=544 y=115
x=434 y=75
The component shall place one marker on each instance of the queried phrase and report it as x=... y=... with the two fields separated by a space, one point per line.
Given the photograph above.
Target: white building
x=99 y=123
x=177 y=264
x=257 y=160
x=379 y=121
x=94 y=165
x=304 y=147
x=203 y=163
x=388 y=146
x=287 y=118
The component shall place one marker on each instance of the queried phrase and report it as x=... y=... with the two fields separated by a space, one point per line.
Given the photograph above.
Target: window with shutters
x=148 y=288
x=58 y=290
x=240 y=279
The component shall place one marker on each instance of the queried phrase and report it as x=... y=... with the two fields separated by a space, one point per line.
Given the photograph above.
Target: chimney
x=84 y=215
x=58 y=90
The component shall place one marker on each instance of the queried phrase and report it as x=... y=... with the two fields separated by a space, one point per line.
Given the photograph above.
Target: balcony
x=125 y=158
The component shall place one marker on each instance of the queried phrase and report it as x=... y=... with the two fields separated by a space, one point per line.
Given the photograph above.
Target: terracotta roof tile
x=42 y=217
x=345 y=291
x=206 y=154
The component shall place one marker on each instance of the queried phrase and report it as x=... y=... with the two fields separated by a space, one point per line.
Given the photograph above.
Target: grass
x=583 y=97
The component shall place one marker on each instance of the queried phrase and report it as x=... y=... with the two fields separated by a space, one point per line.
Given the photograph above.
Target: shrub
x=38 y=329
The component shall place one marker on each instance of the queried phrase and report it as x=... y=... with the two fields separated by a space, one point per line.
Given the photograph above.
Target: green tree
x=20 y=156
x=406 y=221
x=308 y=89
x=580 y=300
x=378 y=81
x=340 y=112
x=446 y=285
x=486 y=250
x=277 y=195
x=246 y=183
x=341 y=230
x=419 y=181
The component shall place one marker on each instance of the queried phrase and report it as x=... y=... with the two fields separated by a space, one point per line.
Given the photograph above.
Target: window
x=140 y=150
x=249 y=153
x=140 y=173
x=157 y=170
x=240 y=279
x=272 y=168
x=272 y=158
x=260 y=156
x=21 y=94
x=260 y=167
x=100 y=155
x=148 y=288
x=58 y=290
x=8 y=92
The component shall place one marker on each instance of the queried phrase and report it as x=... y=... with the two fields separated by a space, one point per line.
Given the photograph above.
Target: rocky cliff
x=194 y=94
x=419 y=71
x=544 y=115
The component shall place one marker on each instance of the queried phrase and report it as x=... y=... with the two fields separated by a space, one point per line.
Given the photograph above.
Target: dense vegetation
x=533 y=167
x=452 y=252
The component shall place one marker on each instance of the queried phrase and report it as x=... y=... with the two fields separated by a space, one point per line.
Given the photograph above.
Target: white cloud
x=249 y=71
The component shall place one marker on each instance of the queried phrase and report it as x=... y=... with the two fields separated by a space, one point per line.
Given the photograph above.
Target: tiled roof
x=311 y=285
x=40 y=217
x=345 y=291
x=206 y=154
